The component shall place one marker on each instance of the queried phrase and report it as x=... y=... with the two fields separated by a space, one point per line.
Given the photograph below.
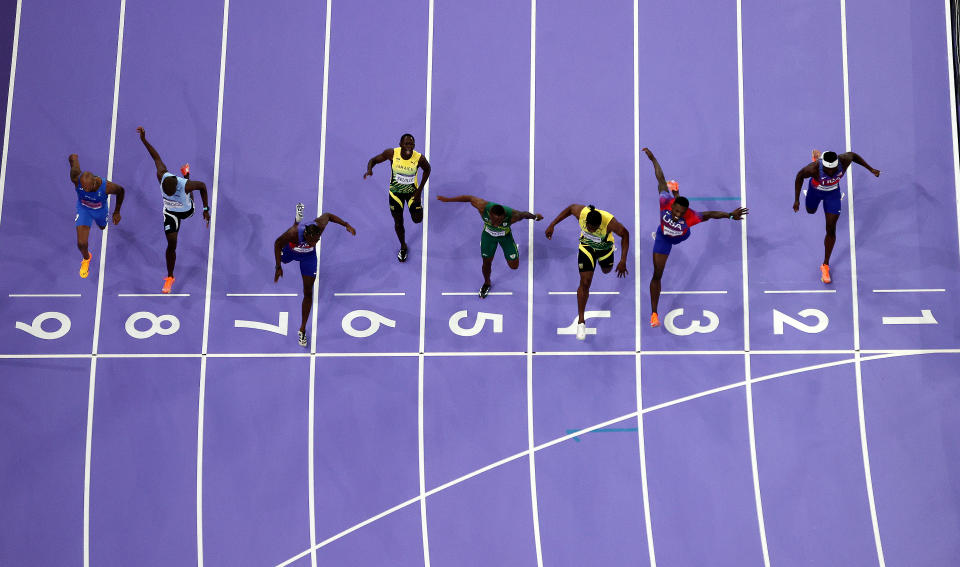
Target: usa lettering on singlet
x=678 y=227
x=180 y=201
x=301 y=246
x=826 y=182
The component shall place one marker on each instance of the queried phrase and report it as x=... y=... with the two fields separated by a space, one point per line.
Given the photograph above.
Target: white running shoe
x=581 y=331
x=302 y=338
x=299 y=212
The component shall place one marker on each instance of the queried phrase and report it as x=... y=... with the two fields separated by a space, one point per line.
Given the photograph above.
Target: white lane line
x=423 y=294
x=746 y=294
x=908 y=290
x=591 y=293
x=476 y=293
x=261 y=295
x=531 y=186
x=699 y=292
x=370 y=294
x=952 y=104
x=644 y=489
x=6 y=125
x=799 y=291
x=206 y=304
x=311 y=396
x=44 y=295
x=97 y=313
x=153 y=295
x=853 y=286
x=578 y=433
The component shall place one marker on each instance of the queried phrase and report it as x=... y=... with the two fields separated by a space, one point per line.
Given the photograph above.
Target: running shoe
x=185 y=170
x=85 y=267
x=581 y=331
x=484 y=290
x=654 y=320
x=815 y=155
x=302 y=338
x=299 y=212
x=402 y=255
x=825 y=273
x=167 y=284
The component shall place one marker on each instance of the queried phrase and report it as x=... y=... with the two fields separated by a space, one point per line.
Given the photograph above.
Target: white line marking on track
x=22 y=295
x=262 y=295
x=702 y=292
x=746 y=294
x=853 y=287
x=153 y=295
x=908 y=290
x=476 y=293
x=369 y=294
x=799 y=291
x=953 y=113
x=531 y=187
x=6 y=126
x=580 y=433
x=423 y=294
x=591 y=293
x=97 y=313
x=206 y=304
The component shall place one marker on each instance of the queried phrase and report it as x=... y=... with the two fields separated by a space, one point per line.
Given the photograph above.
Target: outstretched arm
x=521 y=215
x=114 y=189
x=624 y=234
x=161 y=167
x=855 y=158
x=735 y=214
x=202 y=188
x=383 y=156
x=290 y=235
x=571 y=210
x=325 y=218
x=661 y=181
x=75 y=170
x=477 y=202
x=425 y=166
x=808 y=170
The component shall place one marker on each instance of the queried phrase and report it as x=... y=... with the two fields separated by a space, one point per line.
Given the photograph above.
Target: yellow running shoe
x=825 y=273
x=85 y=267
x=654 y=320
x=167 y=284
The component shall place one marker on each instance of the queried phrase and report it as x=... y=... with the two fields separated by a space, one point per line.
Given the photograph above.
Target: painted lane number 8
x=156 y=325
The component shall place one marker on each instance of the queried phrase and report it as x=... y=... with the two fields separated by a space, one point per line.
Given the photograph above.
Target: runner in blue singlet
x=825 y=172
x=92 y=207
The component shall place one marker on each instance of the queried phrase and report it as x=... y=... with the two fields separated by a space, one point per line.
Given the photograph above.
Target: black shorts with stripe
x=171 y=220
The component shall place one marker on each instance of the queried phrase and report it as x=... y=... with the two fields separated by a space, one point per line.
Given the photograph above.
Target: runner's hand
x=116 y=218
x=277 y=274
x=875 y=172
x=537 y=216
x=206 y=217
x=367 y=174
x=738 y=213
x=549 y=232
x=622 y=269
x=351 y=230
x=796 y=206
x=142 y=132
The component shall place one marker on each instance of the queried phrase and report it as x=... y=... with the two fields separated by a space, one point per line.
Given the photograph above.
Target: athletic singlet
x=679 y=227
x=503 y=228
x=94 y=200
x=602 y=239
x=403 y=172
x=179 y=202
x=301 y=246
x=826 y=182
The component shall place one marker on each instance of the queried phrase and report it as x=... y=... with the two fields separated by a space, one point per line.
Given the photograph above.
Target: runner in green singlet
x=496 y=232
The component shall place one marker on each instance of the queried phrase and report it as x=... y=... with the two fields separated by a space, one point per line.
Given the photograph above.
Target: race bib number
x=92 y=204
x=591 y=237
x=494 y=232
x=404 y=179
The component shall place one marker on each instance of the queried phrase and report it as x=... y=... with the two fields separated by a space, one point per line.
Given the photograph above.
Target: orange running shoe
x=673 y=186
x=85 y=267
x=815 y=155
x=185 y=170
x=654 y=320
x=167 y=284
x=825 y=273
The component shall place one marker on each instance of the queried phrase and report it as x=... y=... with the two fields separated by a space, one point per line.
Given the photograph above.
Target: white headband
x=830 y=164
